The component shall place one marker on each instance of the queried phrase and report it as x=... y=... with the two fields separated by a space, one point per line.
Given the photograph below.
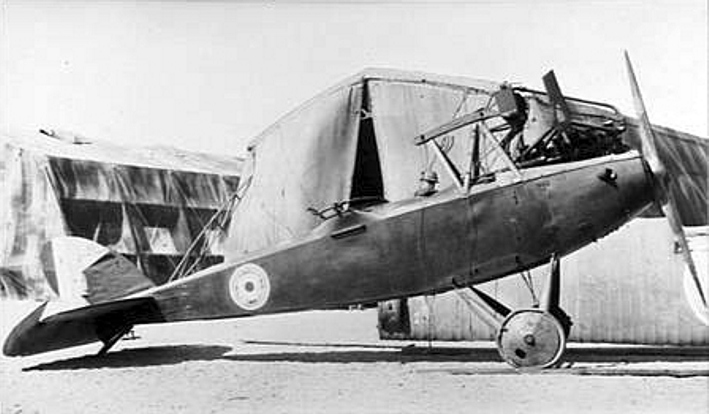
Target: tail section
x=93 y=284
x=105 y=322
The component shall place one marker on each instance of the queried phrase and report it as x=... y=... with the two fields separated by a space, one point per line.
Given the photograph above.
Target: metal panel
x=627 y=288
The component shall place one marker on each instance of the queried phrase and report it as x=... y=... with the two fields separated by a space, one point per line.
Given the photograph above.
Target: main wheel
x=531 y=338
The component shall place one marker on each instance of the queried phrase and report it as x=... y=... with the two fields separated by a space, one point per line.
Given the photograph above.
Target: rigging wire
x=526 y=276
x=218 y=221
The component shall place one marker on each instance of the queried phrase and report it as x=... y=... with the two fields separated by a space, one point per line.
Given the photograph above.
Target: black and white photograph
x=392 y=206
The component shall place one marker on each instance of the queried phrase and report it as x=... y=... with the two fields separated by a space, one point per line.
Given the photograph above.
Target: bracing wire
x=529 y=282
x=218 y=220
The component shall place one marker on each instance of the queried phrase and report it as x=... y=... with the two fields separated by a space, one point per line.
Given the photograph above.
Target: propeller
x=663 y=196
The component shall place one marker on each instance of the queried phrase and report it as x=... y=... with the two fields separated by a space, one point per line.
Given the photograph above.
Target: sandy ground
x=326 y=362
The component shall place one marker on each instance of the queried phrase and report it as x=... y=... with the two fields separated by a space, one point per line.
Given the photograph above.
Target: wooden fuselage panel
x=420 y=245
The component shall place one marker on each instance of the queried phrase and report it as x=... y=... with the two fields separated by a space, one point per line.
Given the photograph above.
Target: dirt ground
x=333 y=362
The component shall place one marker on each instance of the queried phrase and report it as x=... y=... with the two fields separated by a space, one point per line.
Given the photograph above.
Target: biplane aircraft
x=572 y=185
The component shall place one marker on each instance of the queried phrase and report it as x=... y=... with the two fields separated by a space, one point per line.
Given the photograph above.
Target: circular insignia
x=249 y=286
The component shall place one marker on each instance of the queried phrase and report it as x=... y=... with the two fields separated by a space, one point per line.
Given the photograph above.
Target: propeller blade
x=663 y=195
x=647 y=135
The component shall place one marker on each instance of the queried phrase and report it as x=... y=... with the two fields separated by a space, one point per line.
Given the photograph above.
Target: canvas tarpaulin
x=146 y=203
x=403 y=110
x=30 y=216
x=307 y=159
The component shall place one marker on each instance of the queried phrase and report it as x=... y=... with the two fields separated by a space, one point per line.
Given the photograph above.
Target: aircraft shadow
x=357 y=353
x=613 y=361
x=422 y=353
x=480 y=355
x=175 y=354
x=137 y=357
x=591 y=354
x=363 y=356
x=639 y=354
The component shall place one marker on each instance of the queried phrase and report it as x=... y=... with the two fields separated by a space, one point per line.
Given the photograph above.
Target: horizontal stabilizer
x=38 y=333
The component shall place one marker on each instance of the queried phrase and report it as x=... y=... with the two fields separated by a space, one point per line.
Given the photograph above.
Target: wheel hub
x=531 y=338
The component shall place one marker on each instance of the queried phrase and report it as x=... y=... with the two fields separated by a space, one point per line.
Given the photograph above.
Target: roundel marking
x=249 y=286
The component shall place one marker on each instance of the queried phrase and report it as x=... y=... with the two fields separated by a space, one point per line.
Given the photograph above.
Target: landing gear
x=109 y=338
x=527 y=338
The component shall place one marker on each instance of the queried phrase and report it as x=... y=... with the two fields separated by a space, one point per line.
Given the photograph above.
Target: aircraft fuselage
x=424 y=244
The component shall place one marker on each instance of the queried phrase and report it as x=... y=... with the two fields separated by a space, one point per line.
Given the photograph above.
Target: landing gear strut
x=109 y=338
x=527 y=338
